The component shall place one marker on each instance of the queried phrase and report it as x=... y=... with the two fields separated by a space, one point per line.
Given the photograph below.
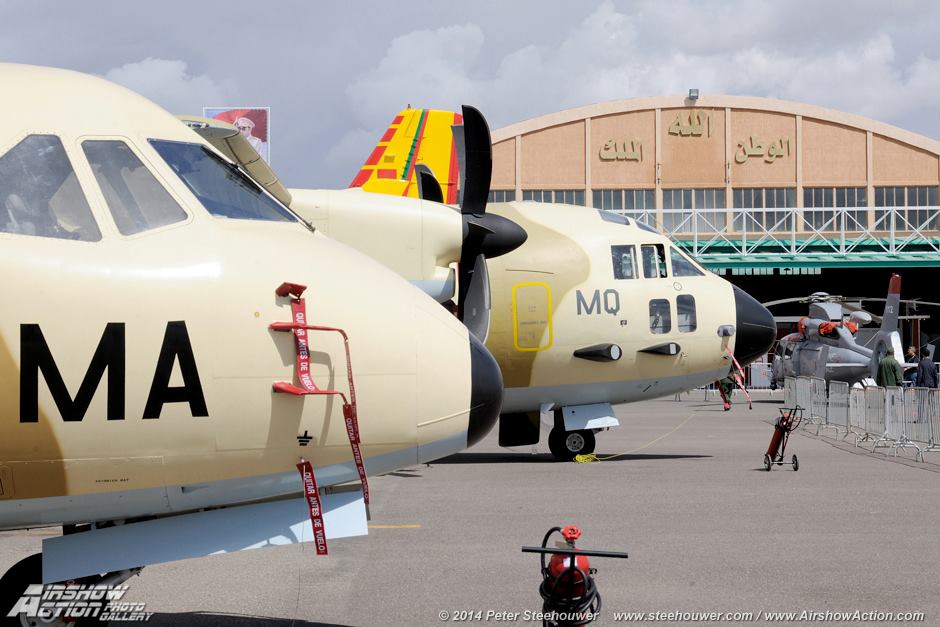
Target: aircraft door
x=532 y=316
x=812 y=361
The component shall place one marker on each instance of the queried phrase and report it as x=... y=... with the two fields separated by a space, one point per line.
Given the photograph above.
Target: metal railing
x=749 y=232
x=890 y=417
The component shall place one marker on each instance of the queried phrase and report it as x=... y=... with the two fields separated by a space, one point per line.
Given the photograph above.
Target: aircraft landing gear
x=564 y=445
x=28 y=571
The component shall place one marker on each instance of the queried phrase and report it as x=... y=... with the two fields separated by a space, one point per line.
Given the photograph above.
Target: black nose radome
x=486 y=394
x=756 y=329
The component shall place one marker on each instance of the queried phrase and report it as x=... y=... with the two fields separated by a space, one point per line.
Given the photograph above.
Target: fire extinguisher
x=572 y=584
x=782 y=427
x=569 y=594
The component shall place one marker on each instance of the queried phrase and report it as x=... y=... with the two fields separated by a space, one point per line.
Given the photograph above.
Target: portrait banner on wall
x=252 y=122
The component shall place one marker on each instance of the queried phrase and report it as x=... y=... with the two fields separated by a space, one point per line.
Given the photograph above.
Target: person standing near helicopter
x=926 y=370
x=889 y=371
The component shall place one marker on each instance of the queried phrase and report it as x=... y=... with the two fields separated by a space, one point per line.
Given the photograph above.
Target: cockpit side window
x=39 y=194
x=138 y=202
x=624 y=260
x=223 y=189
x=682 y=265
x=654 y=261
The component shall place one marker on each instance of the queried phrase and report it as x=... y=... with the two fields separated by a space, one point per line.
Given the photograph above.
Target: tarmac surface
x=707 y=530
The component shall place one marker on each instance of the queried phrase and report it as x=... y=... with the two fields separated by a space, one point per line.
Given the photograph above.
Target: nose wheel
x=565 y=445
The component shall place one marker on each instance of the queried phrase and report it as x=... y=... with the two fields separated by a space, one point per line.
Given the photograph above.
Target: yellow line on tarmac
x=394 y=526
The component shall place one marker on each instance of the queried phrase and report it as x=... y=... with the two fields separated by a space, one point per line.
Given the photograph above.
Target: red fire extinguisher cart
x=569 y=594
x=790 y=419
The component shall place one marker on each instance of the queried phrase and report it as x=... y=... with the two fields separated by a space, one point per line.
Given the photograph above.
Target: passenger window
x=660 y=322
x=39 y=194
x=138 y=202
x=654 y=261
x=624 y=260
x=685 y=313
x=682 y=265
x=222 y=188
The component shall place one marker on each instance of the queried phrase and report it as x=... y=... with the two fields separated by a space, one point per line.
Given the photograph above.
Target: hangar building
x=819 y=199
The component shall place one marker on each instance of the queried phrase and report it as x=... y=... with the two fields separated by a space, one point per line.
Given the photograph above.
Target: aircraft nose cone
x=756 y=329
x=486 y=394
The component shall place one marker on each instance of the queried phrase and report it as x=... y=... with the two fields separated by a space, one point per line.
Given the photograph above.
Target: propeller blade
x=476 y=166
x=428 y=186
x=460 y=146
x=473 y=307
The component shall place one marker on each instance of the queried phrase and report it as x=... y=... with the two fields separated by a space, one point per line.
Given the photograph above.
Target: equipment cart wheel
x=767 y=462
x=565 y=445
x=796 y=464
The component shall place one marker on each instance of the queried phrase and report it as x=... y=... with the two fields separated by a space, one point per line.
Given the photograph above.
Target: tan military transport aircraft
x=591 y=310
x=129 y=246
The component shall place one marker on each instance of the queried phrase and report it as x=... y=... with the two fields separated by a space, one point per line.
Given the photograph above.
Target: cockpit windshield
x=682 y=265
x=40 y=195
x=222 y=188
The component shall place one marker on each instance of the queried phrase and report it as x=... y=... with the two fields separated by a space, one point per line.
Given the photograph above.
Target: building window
x=564 y=196
x=501 y=195
x=677 y=217
x=818 y=204
x=906 y=219
x=660 y=322
x=685 y=313
x=608 y=199
x=654 y=261
x=624 y=260
x=760 y=203
x=638 y=204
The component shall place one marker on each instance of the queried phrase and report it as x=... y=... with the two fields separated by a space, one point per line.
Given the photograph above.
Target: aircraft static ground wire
x=584 y=459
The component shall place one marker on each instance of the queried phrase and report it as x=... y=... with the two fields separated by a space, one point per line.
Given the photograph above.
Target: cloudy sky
x=335 y=73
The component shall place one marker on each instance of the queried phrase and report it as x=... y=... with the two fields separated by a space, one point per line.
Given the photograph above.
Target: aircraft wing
x=227 y=140
x=198 y=534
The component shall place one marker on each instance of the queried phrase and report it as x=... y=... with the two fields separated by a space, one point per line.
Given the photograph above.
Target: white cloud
x=430 y=68
x=656 y=48
x=168 y=83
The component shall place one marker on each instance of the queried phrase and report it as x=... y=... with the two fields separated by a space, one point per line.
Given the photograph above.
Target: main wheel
x=12 y=586
x=564 y=445
x=796 y=464
x=767 y=462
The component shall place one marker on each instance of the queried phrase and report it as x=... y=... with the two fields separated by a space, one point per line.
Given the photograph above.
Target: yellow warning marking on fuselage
x=532 y=307
x=394 y=526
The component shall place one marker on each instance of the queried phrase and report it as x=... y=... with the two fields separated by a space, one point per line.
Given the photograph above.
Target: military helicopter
x=827 y=343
